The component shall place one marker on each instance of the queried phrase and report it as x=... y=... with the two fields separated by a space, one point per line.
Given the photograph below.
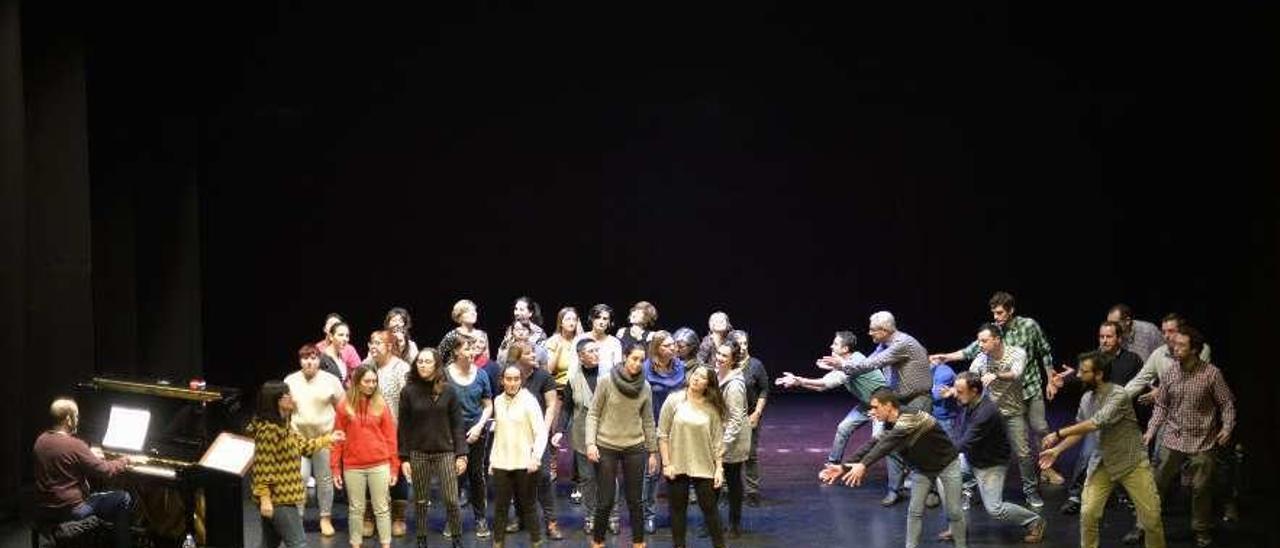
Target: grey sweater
x=619 y=423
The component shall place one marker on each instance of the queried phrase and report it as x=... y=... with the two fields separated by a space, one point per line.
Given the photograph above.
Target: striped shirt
x=1006 y=393
x=1024 y=333
x=1187 y=405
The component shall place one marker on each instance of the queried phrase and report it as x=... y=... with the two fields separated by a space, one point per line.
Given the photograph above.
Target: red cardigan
x=371 y=440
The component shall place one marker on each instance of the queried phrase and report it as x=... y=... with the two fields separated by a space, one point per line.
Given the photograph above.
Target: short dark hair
x=971 y=380
x=1001 y=299
x=1197 y=338
x=1101 y=364
x=995 y=330
x=582 y=344
x=599 y=309
x=1126 y=312
x=884 y=395
x=1114 y=325
x=847 y=338
x=637 y=345
x=1173 y=317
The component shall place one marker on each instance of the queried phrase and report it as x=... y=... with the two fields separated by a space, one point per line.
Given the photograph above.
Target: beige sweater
x=617 y=422
x=694 y=435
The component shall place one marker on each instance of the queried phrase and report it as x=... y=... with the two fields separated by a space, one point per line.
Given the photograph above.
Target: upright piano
x=176 y=495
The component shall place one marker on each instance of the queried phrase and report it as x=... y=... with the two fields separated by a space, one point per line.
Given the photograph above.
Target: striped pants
x=439 y=466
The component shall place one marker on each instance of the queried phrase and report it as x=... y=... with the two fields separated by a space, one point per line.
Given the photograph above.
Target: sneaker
x=482 y=529
x=649 y=526
x=1035 y=532
x=1071 y=507
x=966 y=499
x=1034 y=500
x=446 y=533
x=575 y=497
x=753 y=500
x=615 y=525
x=891 y=498
x=1134 y=536
x=553 y=531
x=932 y=501
x=513 y=527
x=1203 y=540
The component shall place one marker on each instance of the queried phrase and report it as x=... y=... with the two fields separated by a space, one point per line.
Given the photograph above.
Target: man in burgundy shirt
x=63 y=464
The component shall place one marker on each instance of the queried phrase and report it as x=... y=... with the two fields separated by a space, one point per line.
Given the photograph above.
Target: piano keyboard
x=156 y=471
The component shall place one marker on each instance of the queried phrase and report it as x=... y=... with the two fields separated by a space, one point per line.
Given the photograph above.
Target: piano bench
x=78 y=533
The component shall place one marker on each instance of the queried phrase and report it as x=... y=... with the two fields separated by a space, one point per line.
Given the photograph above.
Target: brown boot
x=398 y=509
x=1035 y=532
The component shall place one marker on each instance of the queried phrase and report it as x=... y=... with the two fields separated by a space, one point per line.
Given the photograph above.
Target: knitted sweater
x=276 y=472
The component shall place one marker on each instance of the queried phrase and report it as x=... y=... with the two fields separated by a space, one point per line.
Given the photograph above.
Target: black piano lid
x=183 y=424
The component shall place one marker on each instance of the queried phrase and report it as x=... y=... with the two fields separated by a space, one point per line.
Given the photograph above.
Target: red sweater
x=371 y=440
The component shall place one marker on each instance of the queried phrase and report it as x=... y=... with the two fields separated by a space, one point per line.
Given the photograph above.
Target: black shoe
x=1071 y=507
x=649 y=526
x=1134 y=536
x=422 y=542
x=735 y=532
x=932 y=500
x=753 y=500
x=891 y=498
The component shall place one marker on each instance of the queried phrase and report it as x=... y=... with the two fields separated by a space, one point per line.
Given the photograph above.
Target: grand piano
x=176 y=495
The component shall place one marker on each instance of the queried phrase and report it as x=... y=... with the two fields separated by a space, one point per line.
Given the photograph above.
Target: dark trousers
x=475 y=478
x=678 y=497
x=115 y=507
x=733 y=485
x=632 y=463
x=517 y=483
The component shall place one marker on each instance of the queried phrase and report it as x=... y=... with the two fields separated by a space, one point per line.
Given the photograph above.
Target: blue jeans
x=991 y=485
x=115 y=507
x=848 y=425
x=284 y=525
x=921 y=484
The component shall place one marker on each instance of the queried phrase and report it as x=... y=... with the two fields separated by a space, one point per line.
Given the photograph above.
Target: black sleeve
x=455 y=421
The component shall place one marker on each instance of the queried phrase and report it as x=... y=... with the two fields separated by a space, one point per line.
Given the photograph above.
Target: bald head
x=65 y=413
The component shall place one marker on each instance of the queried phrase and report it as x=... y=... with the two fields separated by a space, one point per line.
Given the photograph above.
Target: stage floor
x=796 y=511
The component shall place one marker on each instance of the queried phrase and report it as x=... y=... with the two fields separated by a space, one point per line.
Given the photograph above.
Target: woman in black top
x=641 y=319
x=432 y=444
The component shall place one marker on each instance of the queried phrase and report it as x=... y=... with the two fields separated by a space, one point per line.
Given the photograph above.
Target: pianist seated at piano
x=63 y=466
x=277 y=476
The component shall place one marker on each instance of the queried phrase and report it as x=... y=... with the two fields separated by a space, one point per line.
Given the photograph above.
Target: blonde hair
x=459 y=308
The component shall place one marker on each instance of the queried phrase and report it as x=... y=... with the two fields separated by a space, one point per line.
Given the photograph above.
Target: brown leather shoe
x=1035 y=532
x=945 y=536
x=326 y=526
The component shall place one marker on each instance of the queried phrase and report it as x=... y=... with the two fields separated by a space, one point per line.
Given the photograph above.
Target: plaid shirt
x=1120 y=446
x=907 y=358
x=1143 y=339
x=1024 y=333
x=1186 y=405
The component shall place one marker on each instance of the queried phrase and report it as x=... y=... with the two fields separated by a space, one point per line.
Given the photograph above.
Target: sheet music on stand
x=229 y=453
x=126 y=429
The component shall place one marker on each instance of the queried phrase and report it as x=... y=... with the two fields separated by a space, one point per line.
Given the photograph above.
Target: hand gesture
x=1147 y=398
x=988 y=378
x=853 y=477
x=937 y=358
x=460 y=465
x=1049 y=440
x=830 y=363
x=830 y=472
x=473 y=435
x=593 y=453
x=1047 y=458
x=787 y=380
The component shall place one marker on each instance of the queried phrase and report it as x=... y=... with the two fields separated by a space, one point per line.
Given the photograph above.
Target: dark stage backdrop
x=796 y=168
